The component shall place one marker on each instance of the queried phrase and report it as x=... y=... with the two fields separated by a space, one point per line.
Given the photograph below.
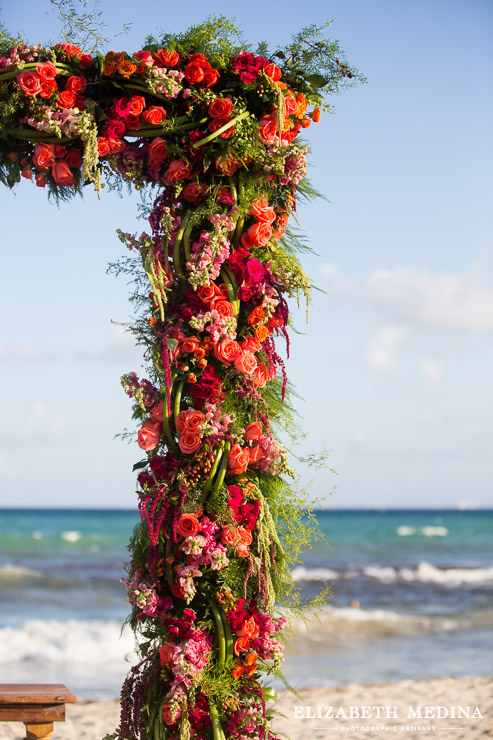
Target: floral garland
x=216 y=133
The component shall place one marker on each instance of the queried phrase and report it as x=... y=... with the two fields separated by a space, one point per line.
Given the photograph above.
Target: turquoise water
x=412 y=597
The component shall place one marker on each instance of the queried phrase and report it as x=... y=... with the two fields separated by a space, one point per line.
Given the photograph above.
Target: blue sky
x=394 y=367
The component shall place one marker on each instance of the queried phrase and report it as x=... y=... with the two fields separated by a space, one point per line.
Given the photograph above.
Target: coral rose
x=256 y=454
x=253 y=431
x=166 y=653
x=29 y=83
x=207 y=292
x=194 y=72
x=103 y=146
x=44 y=156
x=189 y=344
x=227 y=350
x=248 y=629
x=188 y=525
x=189 y=442
x=242 y=644
x=154 y=115
x=272 y=71
x=157 y=412
x=76 y=84
x=230 y=536
x=250 y=344
x=246 y=363
x=62 y=174
x=260 y=233
x=148 y=437
x=290 y=105
x=194 y=421
x=238 y=460
x=166 y=58
x=178 y=170
x=260 y=375
x=224 y=308
x=157 y=152
x=47 y=70
x=66 y=99
x=137 y=104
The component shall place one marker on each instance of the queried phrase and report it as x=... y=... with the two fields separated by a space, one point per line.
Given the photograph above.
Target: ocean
x=412 y=598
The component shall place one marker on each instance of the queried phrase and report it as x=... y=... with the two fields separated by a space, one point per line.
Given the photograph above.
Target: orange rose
x=103 y=146
x=148 y=437
x=166 y=58
x=246 y=363
x=194 y=72
x=126 y=68
x=261 y=333
x=245 y=536
x=250 y=344
x=248 y=629
x=316 y=115
x=242 y=644
x=272 y=71
x=188 y=525
x=66 y=99
x=207 y=292
x=253 y=431
x=238 y=460
x=227 y=350
x=256 y=316
x=260 y=375
x=228 y=164
x=268 y=128
x=189 y=442
x=255 y=455
x=109 y=68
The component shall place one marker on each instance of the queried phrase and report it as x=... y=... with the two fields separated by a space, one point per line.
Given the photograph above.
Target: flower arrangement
x=213 y=128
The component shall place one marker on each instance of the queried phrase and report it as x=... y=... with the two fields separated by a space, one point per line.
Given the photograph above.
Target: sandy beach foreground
x=448 y=708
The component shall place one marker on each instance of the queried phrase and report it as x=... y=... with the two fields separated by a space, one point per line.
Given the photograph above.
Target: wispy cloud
x=11 y=353
x=38 y=426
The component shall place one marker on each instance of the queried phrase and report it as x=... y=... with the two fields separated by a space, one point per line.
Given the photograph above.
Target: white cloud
x=443 y=302
x=120 y=347
x=382 y=348
x=432 y=370
x=23 y=353
x=37 y=426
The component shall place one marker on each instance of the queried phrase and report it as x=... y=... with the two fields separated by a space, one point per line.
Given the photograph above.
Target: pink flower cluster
x=208 y=254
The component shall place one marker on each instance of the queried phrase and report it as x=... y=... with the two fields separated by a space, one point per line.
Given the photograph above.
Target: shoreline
x=409 y=709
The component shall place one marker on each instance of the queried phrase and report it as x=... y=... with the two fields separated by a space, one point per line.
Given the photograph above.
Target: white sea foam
x=434 y=531
x=16 y=572
x=74 y=642
x=313 y=574
x=405 y=531
x=71 y=536
x=37 y=535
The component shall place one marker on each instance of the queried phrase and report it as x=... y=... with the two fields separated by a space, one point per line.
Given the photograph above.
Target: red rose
x=75 y=84
x=166 y=653
x=48 y=88
x=41 y=180
x=103 y=147
x=188 y=525
x=194 y=192
x=178 y=170
x=29 y=82
x=157 y=152
x=44 y=157
x=133 y=121
x=166 y=58
x=273 y=71
x=62 y=174
x=194 y=72
x=248 y=629
x=115 y=145
x=73 y=158
x=220 y=108
x=122 y=107
x=228 y=164
x=237 y=460
x=154 y=115
x=211 y=76
x=115 y=129
x=47 y=71
x=66 y=99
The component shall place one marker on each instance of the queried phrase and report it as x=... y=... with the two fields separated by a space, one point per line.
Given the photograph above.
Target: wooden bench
x=37 y=705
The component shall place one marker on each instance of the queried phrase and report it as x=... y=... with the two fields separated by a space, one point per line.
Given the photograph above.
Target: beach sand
x=92 y=720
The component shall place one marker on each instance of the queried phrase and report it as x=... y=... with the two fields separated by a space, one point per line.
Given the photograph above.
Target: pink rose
x=246 y=363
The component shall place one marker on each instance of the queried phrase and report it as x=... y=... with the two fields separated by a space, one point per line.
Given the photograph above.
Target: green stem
x=61 y=68
x=232 y=187
x=186 y=240
x=227 y=633
x=224 y=467
x=221 y=637
x=230 y=284
x=238 y=230
x=221 y=130
x=217 y=730
x=179 y=391
x=214 y=467
x=166 y=426
x=37 y=136
x=176 y=248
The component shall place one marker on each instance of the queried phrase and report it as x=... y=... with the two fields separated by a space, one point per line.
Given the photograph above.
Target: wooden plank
x=44 y=693
x=32 y=713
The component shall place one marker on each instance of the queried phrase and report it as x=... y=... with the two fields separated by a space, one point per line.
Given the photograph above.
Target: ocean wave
x=422 y=573
x=74 y=642
x=71 y=536
x=430 y=531
x=11 y=572
x=427 y=573
x=339 y=623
